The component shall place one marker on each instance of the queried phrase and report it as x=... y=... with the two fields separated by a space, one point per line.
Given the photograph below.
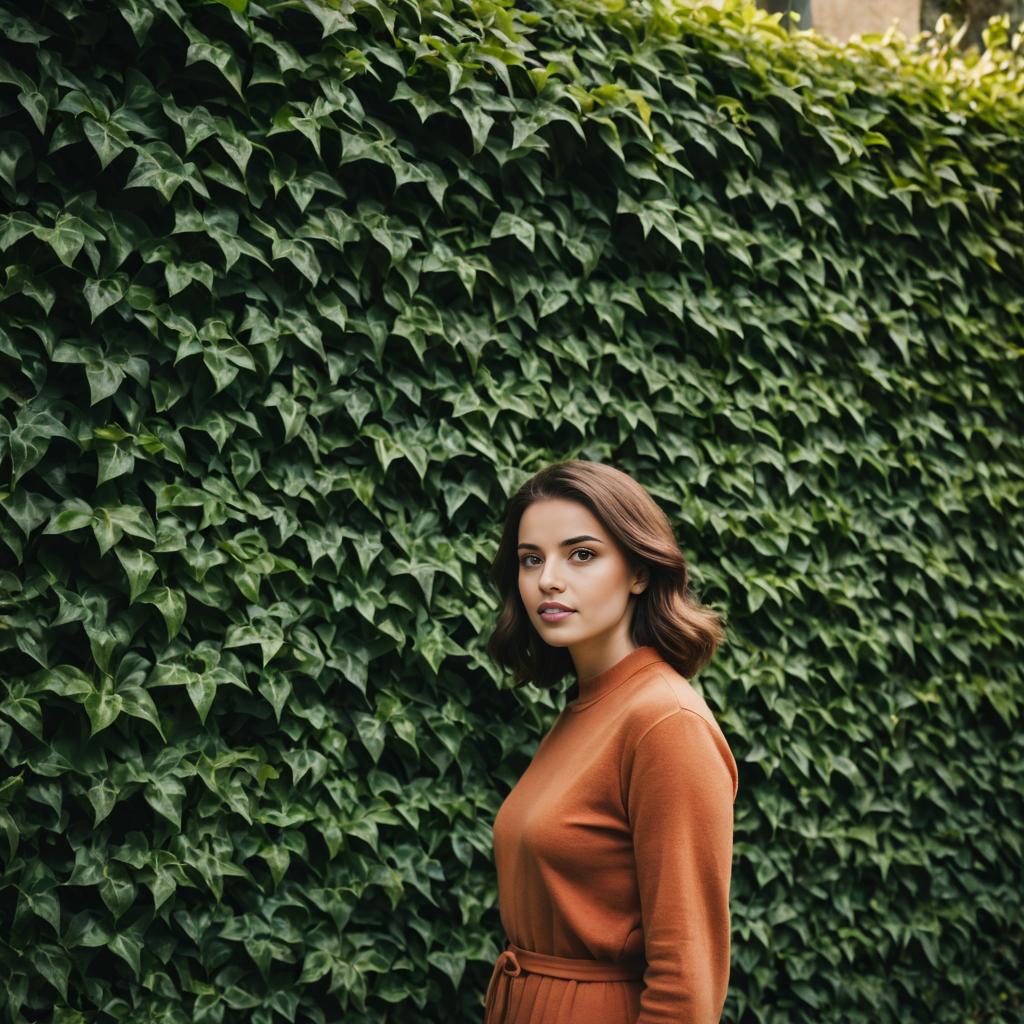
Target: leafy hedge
x=296 y=294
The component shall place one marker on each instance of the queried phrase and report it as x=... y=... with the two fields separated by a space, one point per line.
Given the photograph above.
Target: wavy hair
x=666 y=615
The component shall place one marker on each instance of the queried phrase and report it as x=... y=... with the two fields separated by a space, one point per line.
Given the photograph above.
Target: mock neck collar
x=593 y=688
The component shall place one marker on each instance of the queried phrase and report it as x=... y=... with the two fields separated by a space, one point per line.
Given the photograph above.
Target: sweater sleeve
x=679 y=800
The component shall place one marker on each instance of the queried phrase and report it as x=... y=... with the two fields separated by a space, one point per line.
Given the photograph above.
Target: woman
x=614 y=849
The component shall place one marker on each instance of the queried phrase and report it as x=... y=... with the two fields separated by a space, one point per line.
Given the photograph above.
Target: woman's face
x=566 y=556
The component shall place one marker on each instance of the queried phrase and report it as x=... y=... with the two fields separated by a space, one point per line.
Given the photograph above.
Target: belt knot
x=510 y=963
x=506 y=967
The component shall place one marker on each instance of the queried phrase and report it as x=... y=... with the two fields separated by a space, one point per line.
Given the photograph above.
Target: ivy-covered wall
x=294 y=295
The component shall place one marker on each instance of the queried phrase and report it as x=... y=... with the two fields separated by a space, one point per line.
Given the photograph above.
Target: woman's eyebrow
x=565 y=543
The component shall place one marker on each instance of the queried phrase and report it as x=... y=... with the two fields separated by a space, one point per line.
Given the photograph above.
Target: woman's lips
x=554 y=614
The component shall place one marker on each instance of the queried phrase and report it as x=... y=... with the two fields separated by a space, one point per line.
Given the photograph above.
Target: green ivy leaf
x=139 y=566
x=165 y=797
x=220 y=56
x=276 y=688
x=102 y=294
x=86 y=929
x=102 y=709
x=117 y=890
x=103 y=797
x=52 y=963
x=157 y=166
x=129 y=949
x=107 y=138
x=202 y=688
x=172 y=605
x=139 y=704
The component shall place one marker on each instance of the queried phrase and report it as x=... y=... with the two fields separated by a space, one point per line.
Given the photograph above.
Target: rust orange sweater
x=616 y=844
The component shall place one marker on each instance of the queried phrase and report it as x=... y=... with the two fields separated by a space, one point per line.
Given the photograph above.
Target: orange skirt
x=527 y=987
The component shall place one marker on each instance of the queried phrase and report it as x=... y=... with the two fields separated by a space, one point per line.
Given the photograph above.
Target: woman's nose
x=549 y=579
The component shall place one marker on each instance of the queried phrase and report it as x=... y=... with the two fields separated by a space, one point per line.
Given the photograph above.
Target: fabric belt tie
x=514 y=960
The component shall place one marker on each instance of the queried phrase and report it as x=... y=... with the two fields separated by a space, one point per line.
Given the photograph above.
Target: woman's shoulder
x=662 y=692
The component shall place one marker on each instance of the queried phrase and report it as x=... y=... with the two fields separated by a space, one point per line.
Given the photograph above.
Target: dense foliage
x=295 y=294
x=971 y=16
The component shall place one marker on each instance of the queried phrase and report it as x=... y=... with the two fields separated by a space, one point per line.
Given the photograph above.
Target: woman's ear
x=641 y=579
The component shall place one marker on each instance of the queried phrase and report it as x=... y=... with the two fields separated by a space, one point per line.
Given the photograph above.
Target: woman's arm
x=679 y=801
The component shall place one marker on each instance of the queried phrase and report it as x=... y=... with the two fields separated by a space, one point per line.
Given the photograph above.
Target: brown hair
x=666 y=615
